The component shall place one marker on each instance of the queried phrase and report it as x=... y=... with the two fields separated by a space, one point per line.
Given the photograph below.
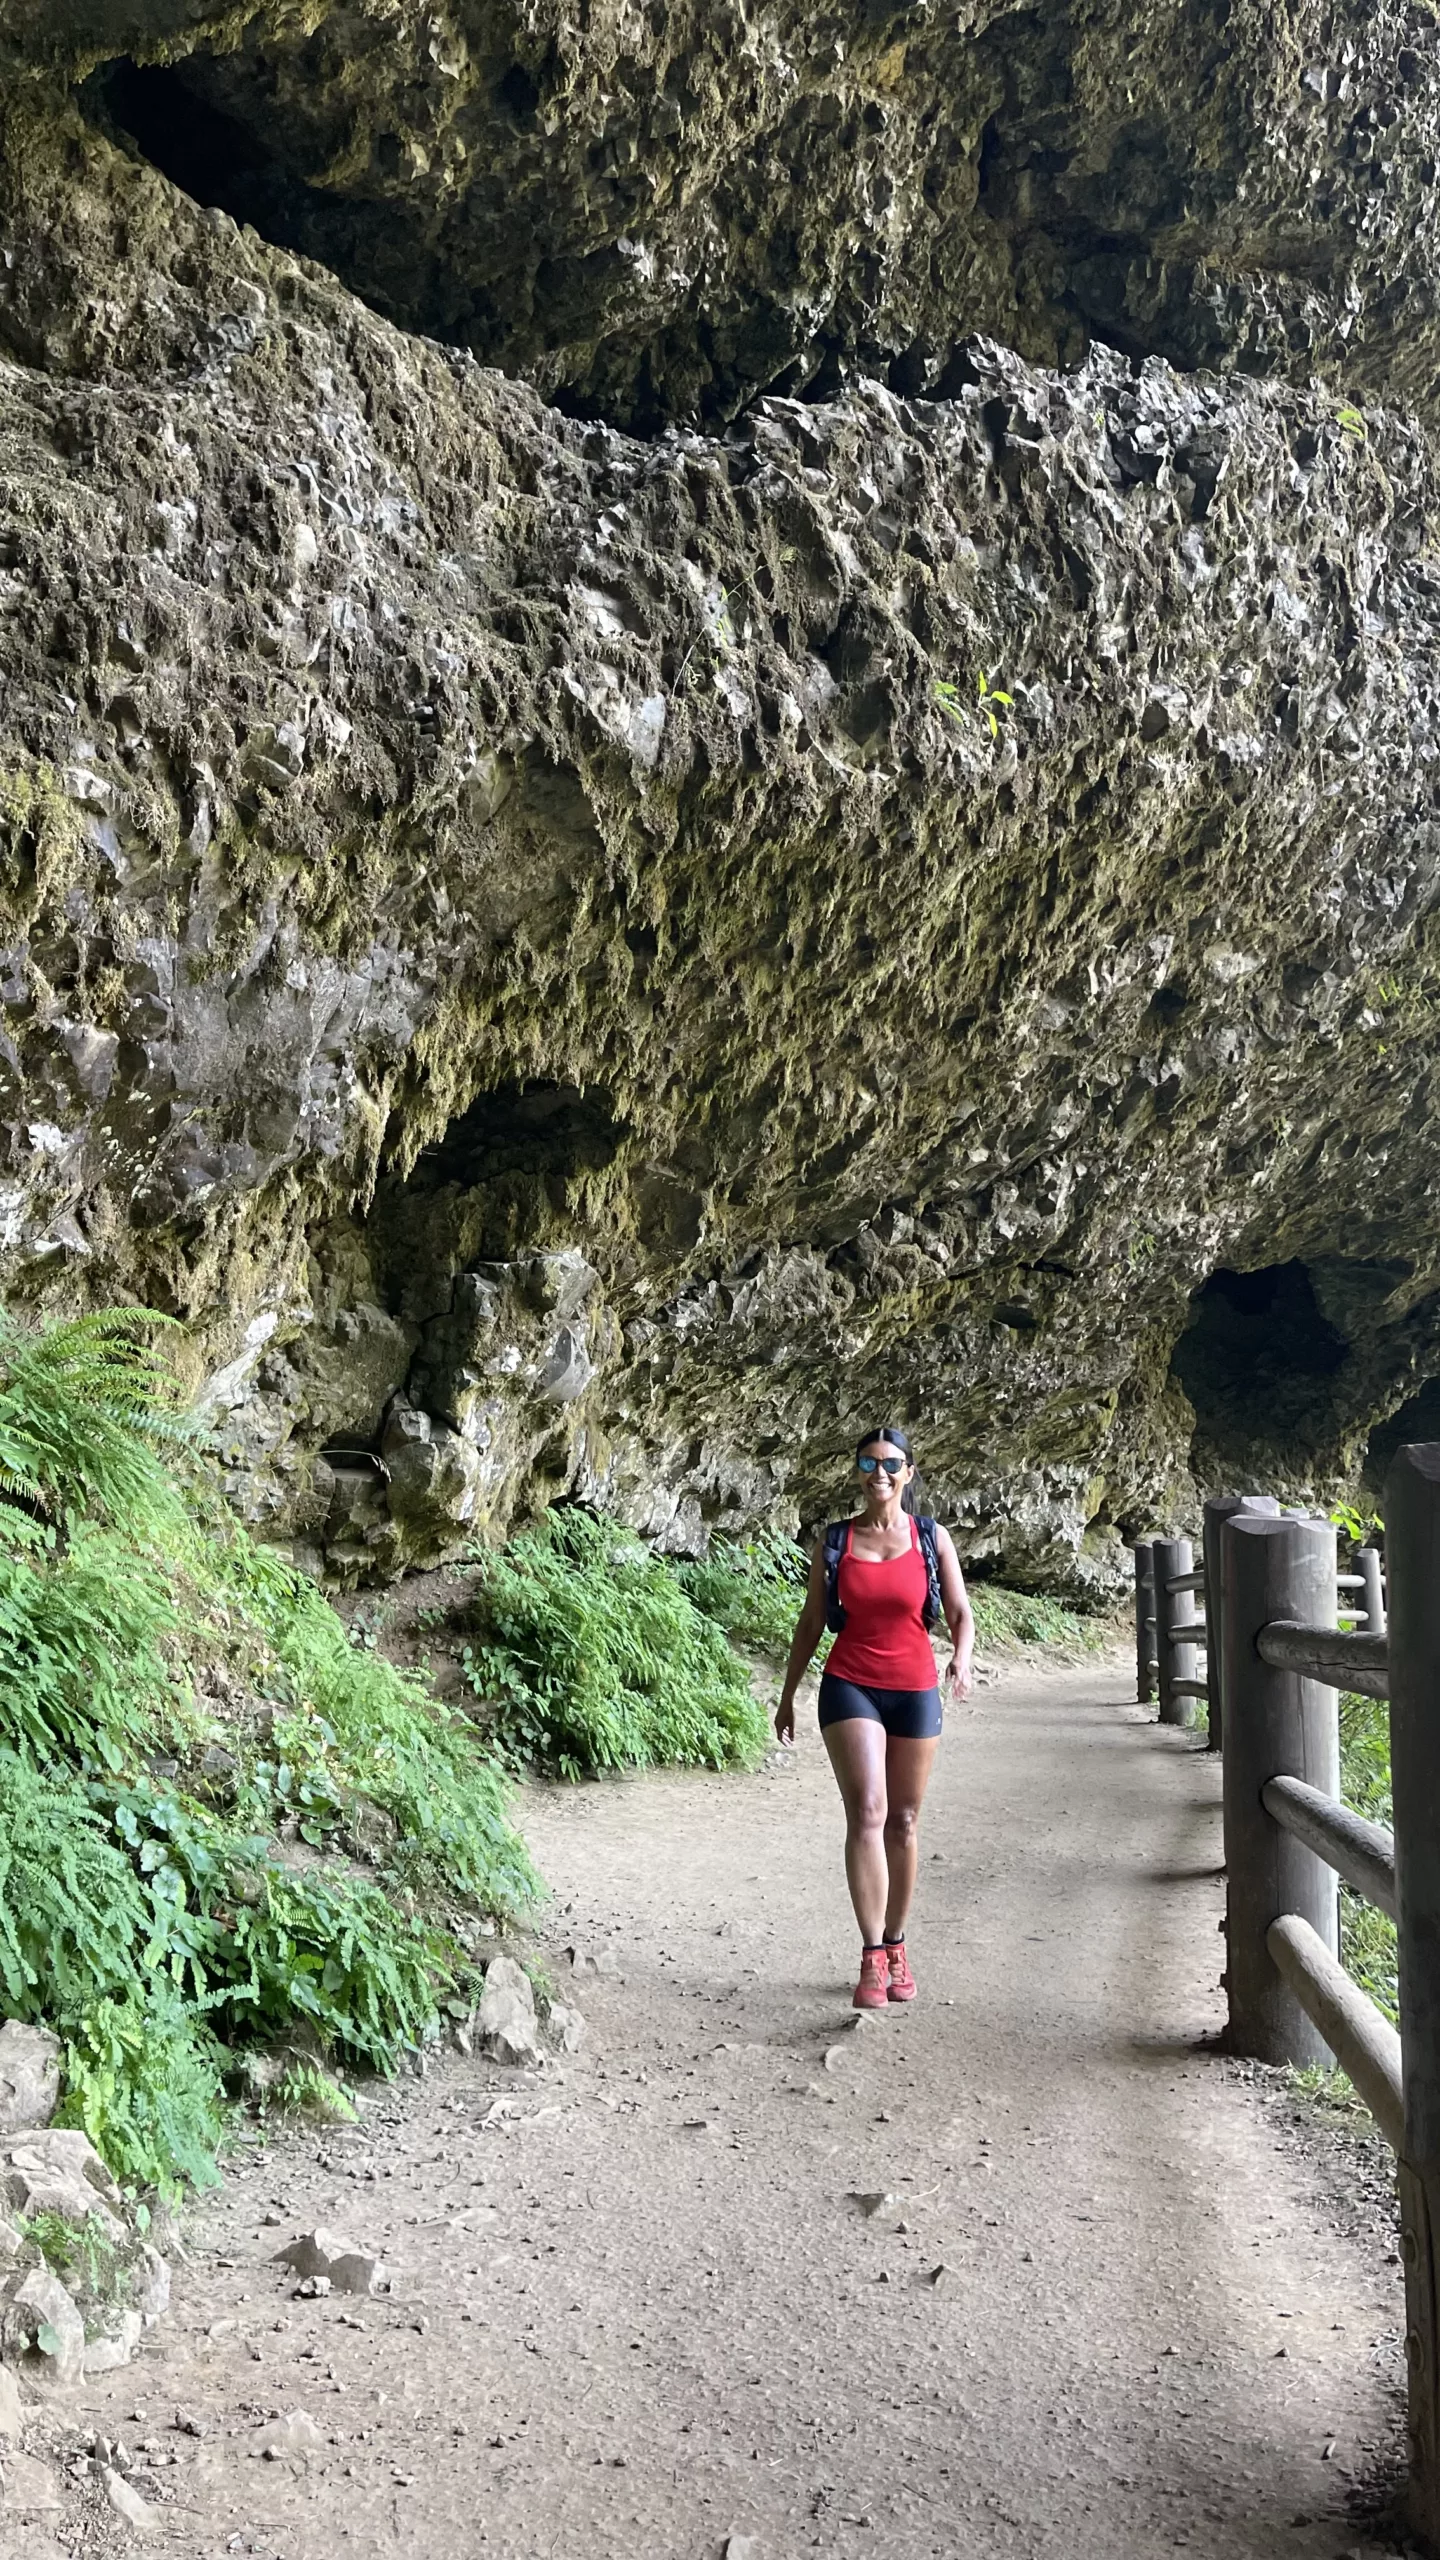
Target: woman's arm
x=809 y=1628
x=959 y=1617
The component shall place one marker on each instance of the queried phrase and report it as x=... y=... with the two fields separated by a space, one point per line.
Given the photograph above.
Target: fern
x=147 y=1928
x=594 y=1658
x=755 y=1591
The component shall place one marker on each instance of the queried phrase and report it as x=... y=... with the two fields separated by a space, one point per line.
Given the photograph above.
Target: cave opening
x=526 y=1128
x=1261 y=1363
x=211 y=156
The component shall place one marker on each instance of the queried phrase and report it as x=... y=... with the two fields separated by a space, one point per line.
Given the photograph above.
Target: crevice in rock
x=1260 y=1362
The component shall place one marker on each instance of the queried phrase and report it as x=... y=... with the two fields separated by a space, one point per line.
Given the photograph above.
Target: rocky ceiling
x=584 y=962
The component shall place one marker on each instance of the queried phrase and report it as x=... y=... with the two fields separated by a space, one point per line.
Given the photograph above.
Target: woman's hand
x=958 y=1675
x=785 y=1720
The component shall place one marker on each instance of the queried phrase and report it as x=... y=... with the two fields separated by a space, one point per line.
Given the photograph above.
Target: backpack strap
x=927 y=1532
x=836 y=1537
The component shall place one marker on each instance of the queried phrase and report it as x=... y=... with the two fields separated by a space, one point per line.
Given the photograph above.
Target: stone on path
x=566 y=2027
x=287 y=2438
x=29 y=2076
x=323 y=2257
x=505 y=2023
x=127 y=2502
x=28 y=2488
x=12 y=2407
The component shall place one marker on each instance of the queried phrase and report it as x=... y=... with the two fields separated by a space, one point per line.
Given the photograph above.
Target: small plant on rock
x=990 y=700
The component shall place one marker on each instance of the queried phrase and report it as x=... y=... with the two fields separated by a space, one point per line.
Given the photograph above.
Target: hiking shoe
x=872 y=1989
x=902 y=1980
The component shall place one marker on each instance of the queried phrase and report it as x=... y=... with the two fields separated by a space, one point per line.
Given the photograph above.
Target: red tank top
x=883 y=1643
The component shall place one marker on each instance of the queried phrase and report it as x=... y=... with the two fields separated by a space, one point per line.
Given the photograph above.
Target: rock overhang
x=388 y=755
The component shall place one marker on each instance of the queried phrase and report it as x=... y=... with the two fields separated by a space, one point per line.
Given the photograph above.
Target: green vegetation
x=592 y=1656
x=1367 y=1937
x=80 y=2253
x=987 y=696
x=157 y=1908
x=754 y=1591
x=1004 y=1617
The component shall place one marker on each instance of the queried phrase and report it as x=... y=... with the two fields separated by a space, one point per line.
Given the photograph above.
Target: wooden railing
x=1264 y=1607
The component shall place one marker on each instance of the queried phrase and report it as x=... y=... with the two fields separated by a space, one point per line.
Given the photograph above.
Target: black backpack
x=835 y=1537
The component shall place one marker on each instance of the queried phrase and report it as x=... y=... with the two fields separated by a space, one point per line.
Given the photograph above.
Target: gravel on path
x=1024 y=2269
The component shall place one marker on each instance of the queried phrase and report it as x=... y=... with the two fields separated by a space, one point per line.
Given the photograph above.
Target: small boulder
x=565 y=2027
x=127 y=2502
x=150 y=2285
x=39 y=2322
x=29 y=2488
x=323 y=2257
x=505 y=2023
x=114 y=2345
x=60 y=2172
x=29 y=2076
x=287 y=2439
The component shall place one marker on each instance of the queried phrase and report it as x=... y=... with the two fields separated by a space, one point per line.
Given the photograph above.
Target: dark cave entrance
x=212 y=156
x=1260 y=1362
x=552 y=1131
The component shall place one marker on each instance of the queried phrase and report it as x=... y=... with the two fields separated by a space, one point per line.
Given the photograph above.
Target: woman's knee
x=868 y=1813
x=902 y=1821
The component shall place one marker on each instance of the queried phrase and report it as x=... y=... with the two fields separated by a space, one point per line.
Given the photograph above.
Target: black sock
x=894 y=1942
x=869 y=1949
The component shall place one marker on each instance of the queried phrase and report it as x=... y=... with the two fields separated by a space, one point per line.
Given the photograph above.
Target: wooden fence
x=1264 y=1607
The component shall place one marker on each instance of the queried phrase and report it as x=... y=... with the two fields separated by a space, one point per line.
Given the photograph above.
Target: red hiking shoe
x=872 y=1990
x=902 y=1980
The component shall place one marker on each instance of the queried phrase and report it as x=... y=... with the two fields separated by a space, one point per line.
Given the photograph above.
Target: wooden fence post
x=1367 y=1565
x=1412 y=1546
x=1144 y=1620
x=1277 y=1725
x=1172 y=1608
x=1218 y=1510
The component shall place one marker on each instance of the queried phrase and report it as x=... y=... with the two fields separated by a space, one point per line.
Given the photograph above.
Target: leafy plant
x=1361 y=1528
x=80 y=2252
x=753 y=1588
x=148 y=1926
x=1005 y=1617
x=593 y=1657
x=989 y=700
x=1367 y=1936
x=1352 y=422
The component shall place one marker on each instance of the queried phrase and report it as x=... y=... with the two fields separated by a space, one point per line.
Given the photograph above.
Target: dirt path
x=645 y=2313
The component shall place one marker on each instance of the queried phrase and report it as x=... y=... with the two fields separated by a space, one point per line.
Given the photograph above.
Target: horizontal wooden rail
x=1327 y=1654
x=1362 y=1852
x=1362 y=2041
x=1193 y=1633
x=1187 y=1581
x=1349 y=1581
x=1190 y=1688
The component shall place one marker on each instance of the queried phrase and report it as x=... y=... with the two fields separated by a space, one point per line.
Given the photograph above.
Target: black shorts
x=908 y=1715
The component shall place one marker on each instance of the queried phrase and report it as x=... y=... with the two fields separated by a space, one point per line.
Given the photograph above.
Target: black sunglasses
x=893 y=1466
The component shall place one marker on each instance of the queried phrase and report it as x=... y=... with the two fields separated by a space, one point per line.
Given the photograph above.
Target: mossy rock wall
x=532 y=943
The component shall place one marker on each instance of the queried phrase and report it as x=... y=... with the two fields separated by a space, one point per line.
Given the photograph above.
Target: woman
x=879 y=1703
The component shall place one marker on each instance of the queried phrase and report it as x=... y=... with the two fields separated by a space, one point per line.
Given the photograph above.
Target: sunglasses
x=893 y=1466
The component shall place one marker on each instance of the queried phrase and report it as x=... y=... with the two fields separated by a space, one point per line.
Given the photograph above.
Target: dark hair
x=897 y=1440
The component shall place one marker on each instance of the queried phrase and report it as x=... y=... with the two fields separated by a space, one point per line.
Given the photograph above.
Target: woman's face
x=883 y=1469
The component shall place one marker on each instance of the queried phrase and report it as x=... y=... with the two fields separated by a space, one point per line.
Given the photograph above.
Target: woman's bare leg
x=857 y=1755
x=907 y=1775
